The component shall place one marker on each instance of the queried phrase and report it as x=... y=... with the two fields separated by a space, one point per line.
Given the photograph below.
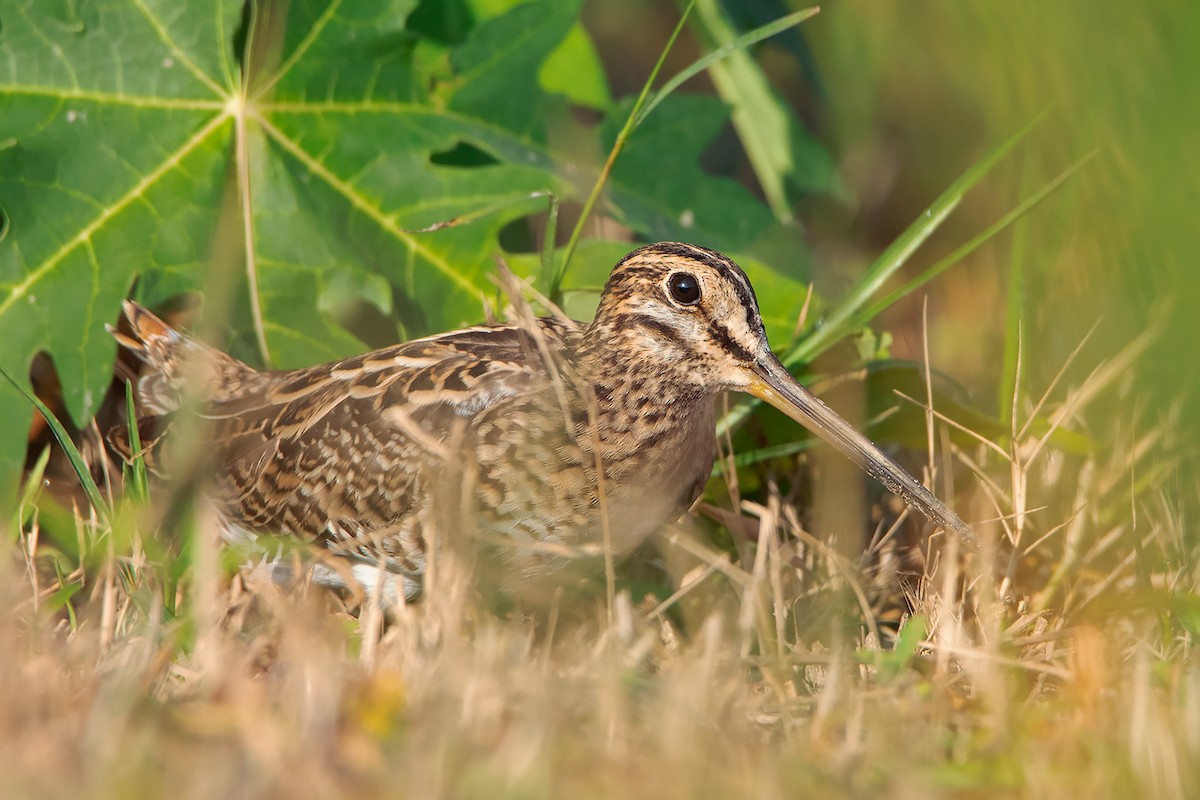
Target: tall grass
x=1056 y=661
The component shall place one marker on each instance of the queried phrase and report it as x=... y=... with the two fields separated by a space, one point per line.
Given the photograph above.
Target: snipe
x=549 y=434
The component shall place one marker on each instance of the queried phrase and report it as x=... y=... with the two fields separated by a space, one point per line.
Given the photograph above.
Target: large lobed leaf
x=139 y=137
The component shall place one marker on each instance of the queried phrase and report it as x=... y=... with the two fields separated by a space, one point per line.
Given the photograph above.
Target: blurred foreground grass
x=1058 y=662
x=1063 y=666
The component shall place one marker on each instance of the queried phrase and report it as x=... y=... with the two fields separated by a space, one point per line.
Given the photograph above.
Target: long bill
x=770 y=381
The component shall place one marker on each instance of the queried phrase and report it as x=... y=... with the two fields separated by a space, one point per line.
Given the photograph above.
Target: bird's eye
x=684 y=288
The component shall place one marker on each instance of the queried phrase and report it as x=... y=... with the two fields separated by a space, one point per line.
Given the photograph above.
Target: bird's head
x=686 y=312
x=689 y=315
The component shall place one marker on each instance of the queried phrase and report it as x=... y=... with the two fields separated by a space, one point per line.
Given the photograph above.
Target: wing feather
x=347 y=427
x=348 y=443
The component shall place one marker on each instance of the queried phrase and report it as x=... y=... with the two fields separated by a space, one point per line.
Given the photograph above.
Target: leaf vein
x=20 y=289
x=307 y=42
x=75 y=93
x=183 y=57
x=362 y=204
x=52 y=47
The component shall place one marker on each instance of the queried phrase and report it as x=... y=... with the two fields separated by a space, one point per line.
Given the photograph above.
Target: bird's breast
x=655 y=471
x=550 y=478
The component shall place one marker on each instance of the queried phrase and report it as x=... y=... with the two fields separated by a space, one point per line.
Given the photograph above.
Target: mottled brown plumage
x=544 y=433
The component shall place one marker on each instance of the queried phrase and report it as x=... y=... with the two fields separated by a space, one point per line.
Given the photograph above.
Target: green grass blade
x=892 y=663
x=757 y=456
x=647 y=100
x=840 y=319
x=869 y=313
x=843 y=317
x=139 y=486
x=555 y=292
x=64 y=440
x=61 y=598
x=908 y=644
x=725 y=50
x=765 y=126
x=1010 y=378
x=29 y=493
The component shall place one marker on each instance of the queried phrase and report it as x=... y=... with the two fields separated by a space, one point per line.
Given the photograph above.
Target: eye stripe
x=724 y=267
x=661 y=328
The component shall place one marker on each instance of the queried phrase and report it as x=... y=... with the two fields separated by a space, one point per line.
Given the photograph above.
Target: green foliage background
x=284 y=159
x=1114 y=249
x=289 y=158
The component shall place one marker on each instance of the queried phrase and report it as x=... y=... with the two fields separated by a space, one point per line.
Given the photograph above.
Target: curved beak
x=770 y=381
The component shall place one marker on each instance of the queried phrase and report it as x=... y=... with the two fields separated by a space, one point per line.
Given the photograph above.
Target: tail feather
x=147 y=329
x=176 y=365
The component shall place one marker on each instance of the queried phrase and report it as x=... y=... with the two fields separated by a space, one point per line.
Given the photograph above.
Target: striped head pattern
x=685 y=310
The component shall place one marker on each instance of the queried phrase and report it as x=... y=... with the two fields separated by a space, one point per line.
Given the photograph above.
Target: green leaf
x=625 y=119
x=298 y=162
x=574 y=70
x=682 y=202
x=892 y=663
x=501 y=60
x=728 y=47
x=133 y=148
x=908 y=642
x=780 y=151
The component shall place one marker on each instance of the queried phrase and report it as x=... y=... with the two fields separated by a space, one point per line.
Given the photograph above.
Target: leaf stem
x=631 y=122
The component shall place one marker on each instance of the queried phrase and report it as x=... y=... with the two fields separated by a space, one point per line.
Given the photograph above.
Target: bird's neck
x=644 y=402
x=628 y=369
x=645 y=422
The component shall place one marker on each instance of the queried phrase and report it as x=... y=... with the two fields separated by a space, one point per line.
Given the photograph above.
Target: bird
x=537 y=436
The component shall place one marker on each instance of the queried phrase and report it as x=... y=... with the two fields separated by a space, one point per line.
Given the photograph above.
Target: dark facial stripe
x=723 y=338
x=745 y=293
x=661 y=328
